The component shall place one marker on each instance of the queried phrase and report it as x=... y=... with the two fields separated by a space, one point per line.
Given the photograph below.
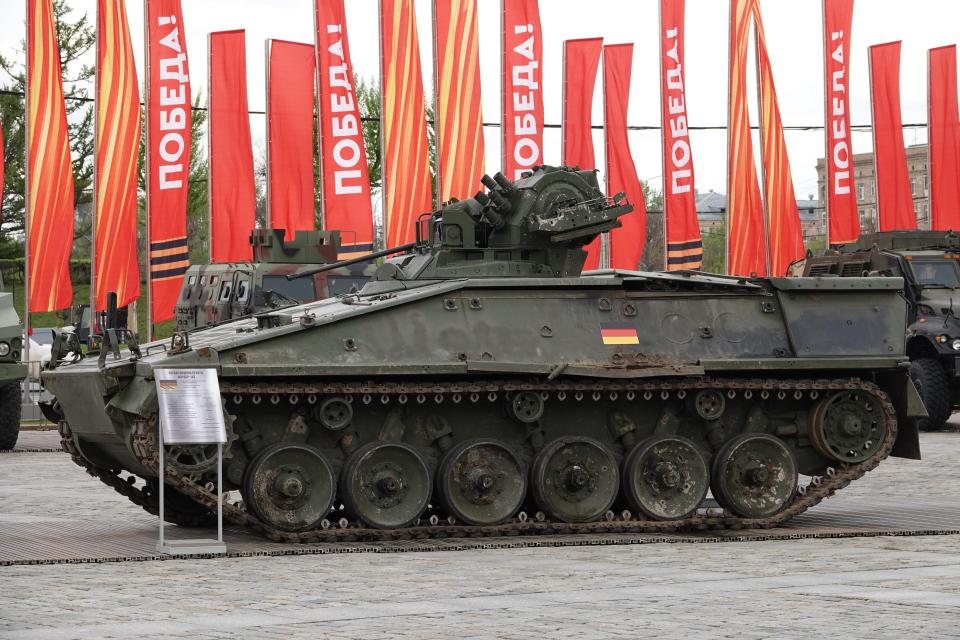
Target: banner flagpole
x=503 y=86
x=826 y=127
x=147 y=167
x=765 y=197
x=266 y=75
x=605 y=236
x=726 y=214
x=438 y=179
x=319 y=124
x=929 y=137
x=563 y=106
x=26 y=192
x=664 y=174
x=209 y=149
x=96 y=178
x=873 y=135
x=384 y=215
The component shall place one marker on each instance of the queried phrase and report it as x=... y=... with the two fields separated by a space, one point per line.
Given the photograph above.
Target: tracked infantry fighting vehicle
x=12 y=371
x=277 y=276
x=929 y=263
x=481 y=385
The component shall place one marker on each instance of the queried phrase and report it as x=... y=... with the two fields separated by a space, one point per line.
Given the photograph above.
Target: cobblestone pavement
x=856 y=587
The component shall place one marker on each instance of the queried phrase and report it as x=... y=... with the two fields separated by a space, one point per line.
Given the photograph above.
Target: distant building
x=712 y=209
x=866 y=190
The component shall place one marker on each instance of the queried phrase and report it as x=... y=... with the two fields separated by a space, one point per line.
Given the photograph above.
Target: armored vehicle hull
x=929 y=263
x=12 y=372
x=432 y=404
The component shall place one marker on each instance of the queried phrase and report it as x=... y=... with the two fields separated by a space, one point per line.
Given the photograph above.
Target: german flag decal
x=618 y=333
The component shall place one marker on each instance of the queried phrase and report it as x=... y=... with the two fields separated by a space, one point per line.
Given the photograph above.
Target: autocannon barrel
x=346 y=263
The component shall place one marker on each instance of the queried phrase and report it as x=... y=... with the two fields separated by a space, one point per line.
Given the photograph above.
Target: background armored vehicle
x=479 y=379
x=12 y=371
x=928 y=263
x=218 y=292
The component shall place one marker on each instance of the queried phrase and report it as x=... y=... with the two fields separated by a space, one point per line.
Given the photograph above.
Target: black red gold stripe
x=618 y=333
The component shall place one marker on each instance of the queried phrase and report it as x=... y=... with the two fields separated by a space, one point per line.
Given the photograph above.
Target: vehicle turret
x=535 y=227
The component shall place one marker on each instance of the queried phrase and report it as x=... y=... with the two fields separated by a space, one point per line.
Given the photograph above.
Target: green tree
x=75 y=35
x=653 y=257
x=714 y=249
x=368 y=99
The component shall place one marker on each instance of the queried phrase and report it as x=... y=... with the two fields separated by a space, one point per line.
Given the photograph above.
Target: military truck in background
x=929 y=263
x=219 y=292
x=12 y=370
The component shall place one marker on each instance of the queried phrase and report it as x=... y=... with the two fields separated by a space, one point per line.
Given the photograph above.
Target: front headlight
x=955 y=344
x=4 y=349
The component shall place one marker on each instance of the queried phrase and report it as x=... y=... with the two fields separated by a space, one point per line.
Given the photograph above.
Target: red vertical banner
x=628 y=241
x=232 y=195
x=117 y=147
x=459 y=121
x=343 y=156
x=944 y=136
x=169 y=138
x=746 y=237
x=842 y=217
x=290 y=95
x=784 y=233
x=894 y=198
x=522 y=117
x=682 y=229
x=405 y=154
x=50 y=173
x=581 y=60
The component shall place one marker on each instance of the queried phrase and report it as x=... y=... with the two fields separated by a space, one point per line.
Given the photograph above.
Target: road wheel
x=9 y=415
x=931 y=382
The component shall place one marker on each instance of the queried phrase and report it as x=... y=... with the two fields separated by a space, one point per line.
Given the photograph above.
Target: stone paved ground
x=865 y=588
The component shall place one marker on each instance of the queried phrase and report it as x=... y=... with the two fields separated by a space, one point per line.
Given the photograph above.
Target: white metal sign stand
x=191 y=413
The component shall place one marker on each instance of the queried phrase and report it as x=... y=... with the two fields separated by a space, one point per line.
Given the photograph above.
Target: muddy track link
x=836 y=478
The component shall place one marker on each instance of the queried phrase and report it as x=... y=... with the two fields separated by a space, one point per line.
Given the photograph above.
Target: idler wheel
x=481 y=482
x=754 y=475
x=386 y=485
x=848 y=426
x=575 y=479
x=289 y=486
x=665 y=477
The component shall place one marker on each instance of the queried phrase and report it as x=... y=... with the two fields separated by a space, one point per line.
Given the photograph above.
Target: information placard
x=190 y=407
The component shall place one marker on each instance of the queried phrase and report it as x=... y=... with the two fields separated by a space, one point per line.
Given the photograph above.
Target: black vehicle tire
x=9 y=415
x=931 y=381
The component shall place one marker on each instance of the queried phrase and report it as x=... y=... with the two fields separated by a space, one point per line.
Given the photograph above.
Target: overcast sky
x=793 y=30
